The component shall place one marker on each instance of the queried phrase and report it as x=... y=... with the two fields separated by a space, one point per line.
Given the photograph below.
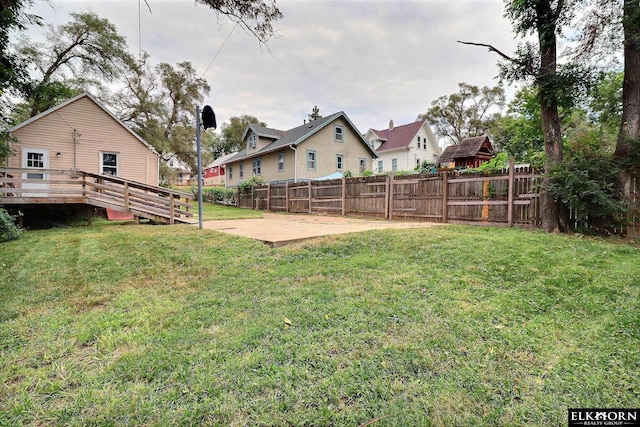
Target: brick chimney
x=391 y=124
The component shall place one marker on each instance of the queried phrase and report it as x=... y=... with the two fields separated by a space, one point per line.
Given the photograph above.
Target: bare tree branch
x=491 y=49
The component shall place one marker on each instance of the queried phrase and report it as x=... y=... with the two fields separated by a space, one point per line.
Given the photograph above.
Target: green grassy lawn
x=212 y=212
x=128 y=325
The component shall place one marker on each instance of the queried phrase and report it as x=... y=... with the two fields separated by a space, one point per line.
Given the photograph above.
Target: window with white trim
x=35 y=160
x=252 y=141
x=257 y=166
x=230 y=172
x=380 y=166
x=394 y=164
x=281 y=161
x=109 y=163
x=339 y=161
x=362 y=164
x=338 y=133
x=311 y=159
x=241 y=170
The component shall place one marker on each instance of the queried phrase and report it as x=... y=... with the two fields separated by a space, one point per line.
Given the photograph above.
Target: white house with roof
x=403 y=148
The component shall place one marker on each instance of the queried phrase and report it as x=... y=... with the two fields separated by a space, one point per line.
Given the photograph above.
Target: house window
x=311 y=159
x=363 y=165
x=339 y=161
x=109 y=164
x=338 y=133
x=241 y=170
x=35 y=160
x=257 y=166
x=418 y=163
x=230 y=172
x=281 y=162
x=418 y=142
x=252 y=141
x=394 y=164
x=380 y=166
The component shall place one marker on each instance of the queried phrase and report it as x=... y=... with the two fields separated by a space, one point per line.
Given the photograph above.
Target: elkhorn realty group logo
x=603 y=417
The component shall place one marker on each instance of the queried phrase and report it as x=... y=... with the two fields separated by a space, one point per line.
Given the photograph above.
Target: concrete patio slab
x=280 y=229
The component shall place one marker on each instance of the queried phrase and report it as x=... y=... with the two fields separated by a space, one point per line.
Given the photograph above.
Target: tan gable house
x=327 y=147
x=82 y=134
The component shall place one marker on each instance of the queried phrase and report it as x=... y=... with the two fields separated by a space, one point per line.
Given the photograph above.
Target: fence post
x=445 y=197
x=485 y=199
x=510 y=194
x=268 y=196
x=344 y=196
x=309 y=196
x=253 y=198
x=286 y=197
x=391 y=183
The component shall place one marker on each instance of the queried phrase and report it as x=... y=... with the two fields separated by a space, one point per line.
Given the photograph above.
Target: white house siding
x=96 y=132
x=407 y=158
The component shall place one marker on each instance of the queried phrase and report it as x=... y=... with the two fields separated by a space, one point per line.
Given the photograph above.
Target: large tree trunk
x=546 y=80
x=630 y=126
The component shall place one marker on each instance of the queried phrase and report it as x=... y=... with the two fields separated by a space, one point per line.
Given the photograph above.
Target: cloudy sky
x=375 y=60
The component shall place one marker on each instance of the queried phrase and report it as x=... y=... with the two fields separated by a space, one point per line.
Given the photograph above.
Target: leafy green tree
x=544 y=19
x=159 y=104
x=13 y=68
x=231 y=138
x=628 y=144
x=466 y=113
x=519 y=131
x=79 y=54
x=255 y=16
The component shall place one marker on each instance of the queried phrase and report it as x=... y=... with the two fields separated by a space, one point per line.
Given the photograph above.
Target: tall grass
x=131 y=325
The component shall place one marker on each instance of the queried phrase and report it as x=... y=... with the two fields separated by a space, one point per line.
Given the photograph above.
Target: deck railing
x=22 y=186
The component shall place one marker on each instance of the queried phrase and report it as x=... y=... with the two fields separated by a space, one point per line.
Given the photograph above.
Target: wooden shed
x=470 y=153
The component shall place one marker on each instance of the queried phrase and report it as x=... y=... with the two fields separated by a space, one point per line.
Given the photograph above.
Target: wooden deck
x=31 y=187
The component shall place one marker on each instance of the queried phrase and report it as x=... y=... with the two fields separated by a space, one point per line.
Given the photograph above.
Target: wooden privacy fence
x=56 y=187
x=509 y=198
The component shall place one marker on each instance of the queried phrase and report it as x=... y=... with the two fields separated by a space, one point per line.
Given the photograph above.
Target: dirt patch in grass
x=281 y=229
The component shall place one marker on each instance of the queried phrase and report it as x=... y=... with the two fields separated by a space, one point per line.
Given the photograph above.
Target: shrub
x=8 y=228
x=255 y=181
x=220 y=195
x=586 y=184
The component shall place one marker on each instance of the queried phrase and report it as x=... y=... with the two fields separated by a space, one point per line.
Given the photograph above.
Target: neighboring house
x=470 y=153
x=182 y=174
x=313 y=150
x=213 y=173
x=403 y=148
x=82 y=134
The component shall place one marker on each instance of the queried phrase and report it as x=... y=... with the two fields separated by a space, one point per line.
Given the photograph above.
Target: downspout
x=295 y=163
x=75 y=143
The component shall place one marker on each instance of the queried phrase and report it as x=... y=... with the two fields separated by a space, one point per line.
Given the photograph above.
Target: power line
x=221 y=46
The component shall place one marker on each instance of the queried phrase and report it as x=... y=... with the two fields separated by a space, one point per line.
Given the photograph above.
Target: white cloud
x=375 y=60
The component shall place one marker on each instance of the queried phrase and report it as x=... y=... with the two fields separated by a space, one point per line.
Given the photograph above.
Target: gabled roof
x=72 y=100
x=221 y=160
x=298 y=135
x=262 y=131
x=399 y=136
x=469 y=147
